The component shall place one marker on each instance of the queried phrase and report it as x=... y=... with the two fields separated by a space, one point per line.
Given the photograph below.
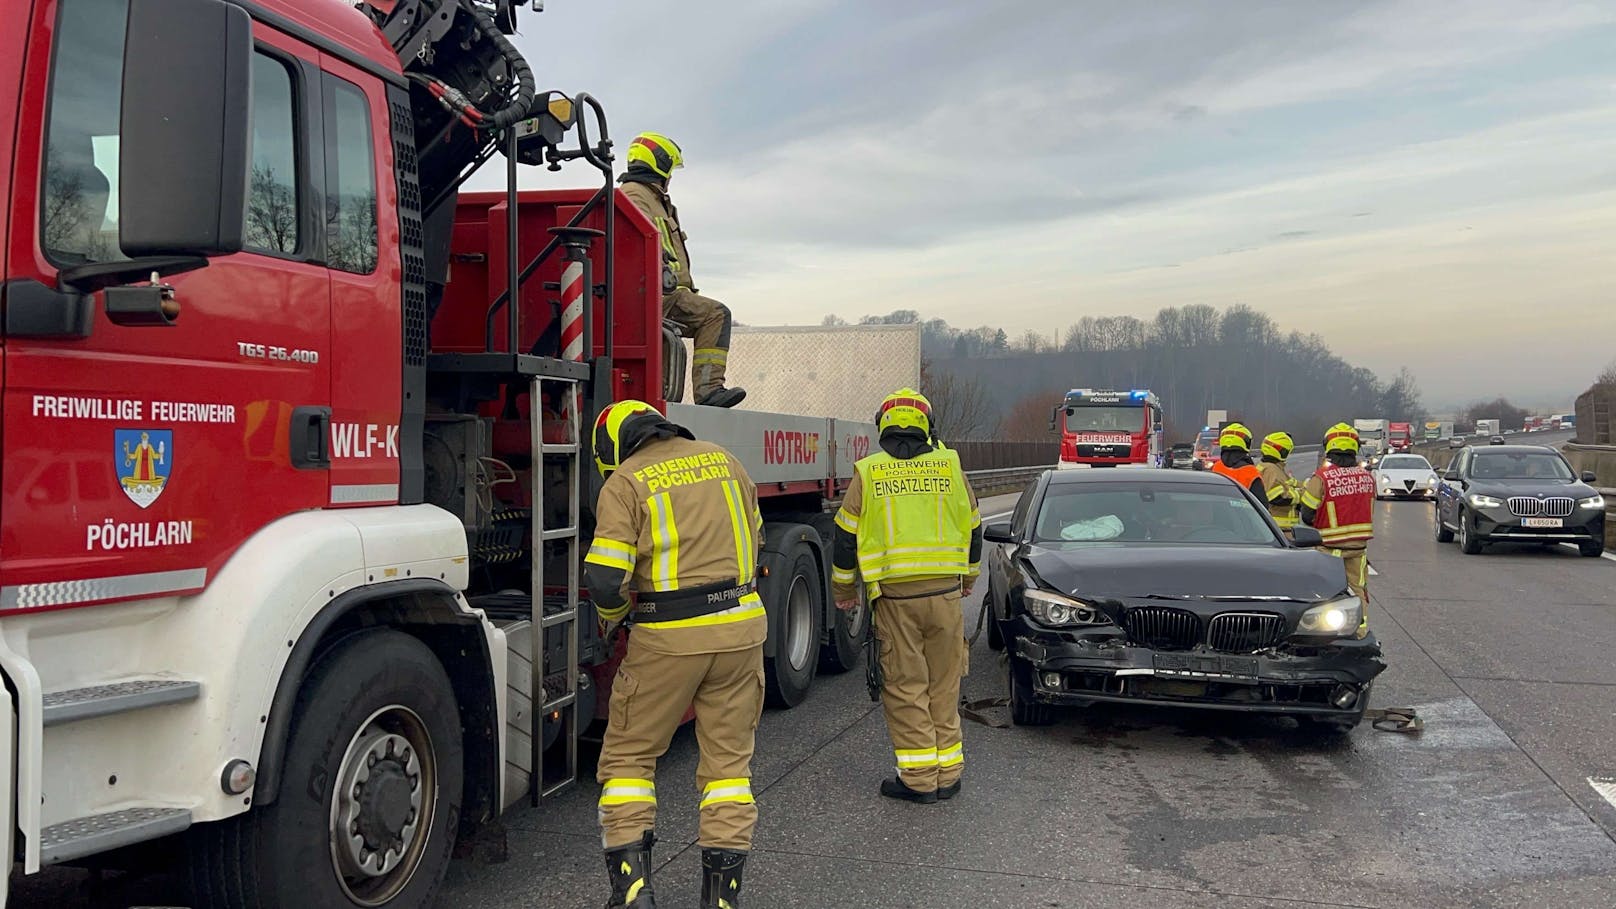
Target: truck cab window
x=79 y=201
x=272 y=209
x=350 y=179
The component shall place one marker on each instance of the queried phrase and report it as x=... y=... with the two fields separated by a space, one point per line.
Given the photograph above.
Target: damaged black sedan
x=1164 y=587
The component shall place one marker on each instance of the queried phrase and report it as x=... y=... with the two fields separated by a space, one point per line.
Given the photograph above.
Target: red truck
x=1399 y=436
x=296 y=469
x=1104 y=428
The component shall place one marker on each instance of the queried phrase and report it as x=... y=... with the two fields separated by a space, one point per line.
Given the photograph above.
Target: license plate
x=1196 y=665
x=1542 y=522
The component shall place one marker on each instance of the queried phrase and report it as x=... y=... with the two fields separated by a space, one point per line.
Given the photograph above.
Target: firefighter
x=909 y=524
x=676 y=523
x=1280 y=488
x=652 y=159
x=1339 y=500
x=1234 y=460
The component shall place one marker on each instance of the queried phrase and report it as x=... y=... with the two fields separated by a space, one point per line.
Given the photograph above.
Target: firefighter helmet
x=1236 y=436
x=905 y=409
x=1277 y=445
x=1341 y=437
x=657 y=152
x=621 y=428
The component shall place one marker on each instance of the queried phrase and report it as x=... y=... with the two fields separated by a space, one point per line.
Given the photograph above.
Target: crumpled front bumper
x=1289 y=679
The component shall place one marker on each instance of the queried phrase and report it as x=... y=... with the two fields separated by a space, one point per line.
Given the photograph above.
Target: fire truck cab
x=1109 y=428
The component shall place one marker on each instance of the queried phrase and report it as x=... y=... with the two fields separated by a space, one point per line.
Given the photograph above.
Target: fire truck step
x=102 y=832
x=119 y=697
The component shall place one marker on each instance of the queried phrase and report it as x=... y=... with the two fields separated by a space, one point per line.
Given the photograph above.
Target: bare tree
x=271 y=213
x=961 y=408
x=1028 y=421
x=1607 y=379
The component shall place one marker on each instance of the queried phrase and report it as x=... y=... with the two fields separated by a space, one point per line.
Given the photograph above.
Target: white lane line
x=1372 y=571
x=1603 y=555
x=1606 y=787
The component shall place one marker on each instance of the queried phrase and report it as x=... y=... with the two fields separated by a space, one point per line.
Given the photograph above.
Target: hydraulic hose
x=525 y=86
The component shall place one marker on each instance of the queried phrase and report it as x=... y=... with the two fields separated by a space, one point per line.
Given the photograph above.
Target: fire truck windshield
x=1105 y=419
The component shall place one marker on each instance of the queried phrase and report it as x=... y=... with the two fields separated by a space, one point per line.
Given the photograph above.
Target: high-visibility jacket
x=1343 y=500
x=656 y=204
x=682 y=514
x=914 y=517
x=1245 y=475
x=1282 y=491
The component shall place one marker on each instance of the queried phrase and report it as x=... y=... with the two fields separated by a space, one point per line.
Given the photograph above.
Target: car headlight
x=1480 y=501
x=1054 y=609
x=1335 y=618
x=1592 y=502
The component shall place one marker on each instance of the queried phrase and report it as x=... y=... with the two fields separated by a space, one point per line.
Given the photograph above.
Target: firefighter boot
x=722 y=397
x=721 y=878
x=629 y=870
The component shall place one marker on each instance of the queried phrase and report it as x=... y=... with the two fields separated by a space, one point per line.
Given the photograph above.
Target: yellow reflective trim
x=626 y=550
x=733 y=792
x=627 y=792
x=951 y=756
x=976 y=519
x=634 y=891
x=737 y=527
x=916 y=757
x=664 y=544
x=848 y=522
x=842 y=575
x=1311 y=500
x=609 y=559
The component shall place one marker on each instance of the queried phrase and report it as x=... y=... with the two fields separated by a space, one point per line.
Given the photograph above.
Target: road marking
x=1603 y=555
x=1606 y=787
x=1373 y=572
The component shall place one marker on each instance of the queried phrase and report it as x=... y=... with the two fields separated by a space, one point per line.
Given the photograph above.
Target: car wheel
x=1443 y=534
x=1332 y=726
x=369 y=811
x=1592 y=550
x=1469 y=544
x=1024 y=710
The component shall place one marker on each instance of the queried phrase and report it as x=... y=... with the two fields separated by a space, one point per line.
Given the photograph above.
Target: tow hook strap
x=1396 y=719
x=972 y=710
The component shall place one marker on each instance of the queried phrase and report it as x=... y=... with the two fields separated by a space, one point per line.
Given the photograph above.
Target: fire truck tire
x=845 y=649
x=794 y=591
x=375 y=751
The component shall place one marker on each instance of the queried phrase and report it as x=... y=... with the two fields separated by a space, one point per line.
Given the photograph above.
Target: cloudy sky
x=1424 y=183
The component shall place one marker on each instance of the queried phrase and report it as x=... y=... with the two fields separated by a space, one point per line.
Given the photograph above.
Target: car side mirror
x=1306 y=537
x=184 y=135
x=1588 y=476
x=998 y=532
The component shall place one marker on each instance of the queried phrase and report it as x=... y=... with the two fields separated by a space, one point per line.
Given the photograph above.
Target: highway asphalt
x=1506 y=655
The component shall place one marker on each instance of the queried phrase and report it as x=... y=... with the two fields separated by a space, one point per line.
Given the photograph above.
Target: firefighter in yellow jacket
x=652 y=159
x=1282 y=489
x=909 y=524
x=1339 y=500
x=677 y=524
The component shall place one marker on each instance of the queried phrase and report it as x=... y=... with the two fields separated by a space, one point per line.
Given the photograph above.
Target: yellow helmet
x=905 y=409
x=1277 y=445
x=657 y=152
x=619 y=429
x=1341 y=437
x=1235 y=435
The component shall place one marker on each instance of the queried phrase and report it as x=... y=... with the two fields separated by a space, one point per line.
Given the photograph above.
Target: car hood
x=1504 y=489
x=1189 y=573
x=1399 y=474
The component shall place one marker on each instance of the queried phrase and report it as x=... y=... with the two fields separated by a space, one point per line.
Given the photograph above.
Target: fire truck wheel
x=796 y=590
x=371 y=790
x=845 y=650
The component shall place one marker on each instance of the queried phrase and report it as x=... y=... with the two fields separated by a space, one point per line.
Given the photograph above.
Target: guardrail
x=1003 y=479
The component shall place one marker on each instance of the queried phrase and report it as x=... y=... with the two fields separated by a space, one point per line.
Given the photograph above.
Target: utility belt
x=689 y=602
x=956 y=588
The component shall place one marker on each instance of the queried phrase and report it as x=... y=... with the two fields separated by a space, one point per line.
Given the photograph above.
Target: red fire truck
x=1399 y=436
x=296 y=481
x=1109 y=428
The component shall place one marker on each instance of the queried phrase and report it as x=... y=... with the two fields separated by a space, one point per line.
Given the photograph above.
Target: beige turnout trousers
x=708 y=322
x=923 y=657
x=650 y=695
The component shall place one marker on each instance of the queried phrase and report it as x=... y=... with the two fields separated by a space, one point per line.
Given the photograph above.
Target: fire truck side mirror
x=184 y=133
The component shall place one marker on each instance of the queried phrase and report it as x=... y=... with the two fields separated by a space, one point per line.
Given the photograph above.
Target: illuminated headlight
x=1335 y=618
x=1592 y=502
x=1479 y=501
x=1385 y=480
x=1054 y=609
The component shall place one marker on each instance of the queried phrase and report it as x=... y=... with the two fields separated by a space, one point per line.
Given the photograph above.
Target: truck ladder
x=557 y=706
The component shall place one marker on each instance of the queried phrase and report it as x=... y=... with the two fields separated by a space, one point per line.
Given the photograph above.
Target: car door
x=1451 y=488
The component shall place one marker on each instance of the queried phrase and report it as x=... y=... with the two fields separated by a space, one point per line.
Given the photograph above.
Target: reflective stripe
x=842 y=575
x=1349 y=532
x=709 y=355
x=733 y=792
x=951 y=756
x=913 y=758
x=976 y=519
x=627 y=791
x=751 y=607
x=667 y=242
x=846 y=521
x=611 y=553
x=1310 y=500
x=664 y=544
x=737 y=527
x=973 y=570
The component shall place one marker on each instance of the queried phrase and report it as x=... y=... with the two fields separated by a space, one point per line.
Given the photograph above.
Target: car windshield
x=1082 y=514
x=1520 y=465
x=1105 y=419
x=1405 y=462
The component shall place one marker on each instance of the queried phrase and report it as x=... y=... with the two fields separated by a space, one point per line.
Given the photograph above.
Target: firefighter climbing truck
x=296 y=441
x=1109 y=428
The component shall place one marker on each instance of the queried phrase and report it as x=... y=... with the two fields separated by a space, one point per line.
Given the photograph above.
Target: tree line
x=1196 y=358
